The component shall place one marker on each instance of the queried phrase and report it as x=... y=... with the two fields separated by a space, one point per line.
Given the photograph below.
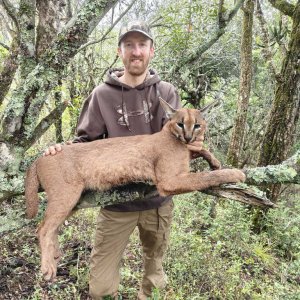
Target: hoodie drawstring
x=125 y=118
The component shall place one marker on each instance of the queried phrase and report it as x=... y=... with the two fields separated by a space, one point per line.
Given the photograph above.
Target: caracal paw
x=49 y=271
x=238 y=175
x=215 y=165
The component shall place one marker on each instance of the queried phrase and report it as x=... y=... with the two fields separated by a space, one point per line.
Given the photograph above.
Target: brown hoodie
x=115 y=109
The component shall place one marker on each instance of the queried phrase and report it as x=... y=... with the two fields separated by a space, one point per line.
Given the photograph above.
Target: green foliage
x=211 y=256
x=10 y=218
x=222 y=258
x=283 y=227
x=185 y=28
x=11 y=184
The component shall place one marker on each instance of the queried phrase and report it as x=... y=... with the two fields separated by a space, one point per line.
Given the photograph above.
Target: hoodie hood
x=114 y=74
x=114 y=109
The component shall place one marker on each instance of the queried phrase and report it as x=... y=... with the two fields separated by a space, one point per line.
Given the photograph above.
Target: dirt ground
x=19 y=268
x=20 y=276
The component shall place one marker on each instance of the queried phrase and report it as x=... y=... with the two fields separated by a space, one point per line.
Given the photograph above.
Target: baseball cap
x=135 y=26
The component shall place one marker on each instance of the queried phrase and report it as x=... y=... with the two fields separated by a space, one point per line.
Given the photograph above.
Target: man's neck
x=131 y=80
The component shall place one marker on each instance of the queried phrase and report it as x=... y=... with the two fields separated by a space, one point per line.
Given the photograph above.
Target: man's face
x=136 y=51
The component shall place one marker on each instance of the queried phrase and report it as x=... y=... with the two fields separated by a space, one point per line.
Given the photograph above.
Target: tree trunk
x=237 y=137
x=48 y=25
x=284 y=114
x=19 y=120
x=20 y=124
x=58 y=122
x=27 y=38
x=10 y=66
x=22 y=52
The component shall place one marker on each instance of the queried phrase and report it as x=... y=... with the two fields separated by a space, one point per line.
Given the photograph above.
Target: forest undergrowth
x=214 y=254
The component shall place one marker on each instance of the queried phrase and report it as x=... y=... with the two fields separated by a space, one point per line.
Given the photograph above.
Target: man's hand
x=52 y=150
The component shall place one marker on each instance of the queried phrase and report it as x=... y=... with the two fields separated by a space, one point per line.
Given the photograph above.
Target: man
x=127 y=104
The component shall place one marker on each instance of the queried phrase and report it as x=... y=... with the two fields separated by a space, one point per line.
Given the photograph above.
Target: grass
x=208 y=258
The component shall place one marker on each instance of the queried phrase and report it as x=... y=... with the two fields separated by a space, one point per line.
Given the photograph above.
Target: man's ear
x=152 y=51
x=119 y=51
x=170 y=111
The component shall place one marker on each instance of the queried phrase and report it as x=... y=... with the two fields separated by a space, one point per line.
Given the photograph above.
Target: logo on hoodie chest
x=126 y=114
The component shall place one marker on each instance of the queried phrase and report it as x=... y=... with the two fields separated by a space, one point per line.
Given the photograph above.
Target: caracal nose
x=188 y=139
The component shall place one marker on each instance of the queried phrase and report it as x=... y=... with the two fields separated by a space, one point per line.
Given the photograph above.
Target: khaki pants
x=112 y=235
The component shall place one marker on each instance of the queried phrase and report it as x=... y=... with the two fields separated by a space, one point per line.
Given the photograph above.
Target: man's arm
x=91 y=125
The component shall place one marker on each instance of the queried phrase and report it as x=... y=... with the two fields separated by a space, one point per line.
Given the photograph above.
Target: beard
x=136 y=66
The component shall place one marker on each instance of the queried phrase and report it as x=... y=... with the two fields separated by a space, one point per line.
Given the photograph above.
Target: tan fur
x=162 y=158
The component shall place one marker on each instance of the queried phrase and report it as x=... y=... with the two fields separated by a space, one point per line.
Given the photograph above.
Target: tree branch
x=109 y=67
x=4 y=46
x=234 y=11
x=220 y=14
x=44 y=77
x=141 y=191
x=108 y=30
x=215 y=37
x=11 y=11
x=267 y=53
x=287 y=172
x=285 y=7
x=44 y=124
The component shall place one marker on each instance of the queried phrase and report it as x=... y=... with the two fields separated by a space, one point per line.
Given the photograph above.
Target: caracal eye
x=197 y=126
x=181 y=125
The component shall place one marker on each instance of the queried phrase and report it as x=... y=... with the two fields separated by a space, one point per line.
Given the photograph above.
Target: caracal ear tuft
x=170 y=111
x=206 y=109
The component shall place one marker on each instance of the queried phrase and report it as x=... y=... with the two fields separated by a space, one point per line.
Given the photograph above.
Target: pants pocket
x=165 y=216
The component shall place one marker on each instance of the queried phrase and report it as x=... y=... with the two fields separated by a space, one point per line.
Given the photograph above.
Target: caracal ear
x=170 y=111
x=206 y=109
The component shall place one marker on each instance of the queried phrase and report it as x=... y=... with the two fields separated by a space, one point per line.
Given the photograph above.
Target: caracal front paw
x=215 y=164
x=237 y=176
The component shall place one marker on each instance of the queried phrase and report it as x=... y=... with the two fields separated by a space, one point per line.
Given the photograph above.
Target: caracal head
x=187 y=125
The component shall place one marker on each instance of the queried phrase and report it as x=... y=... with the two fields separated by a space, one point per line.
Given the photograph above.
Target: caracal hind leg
x=189 y=182
x=57 y=251
x=58 y=209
